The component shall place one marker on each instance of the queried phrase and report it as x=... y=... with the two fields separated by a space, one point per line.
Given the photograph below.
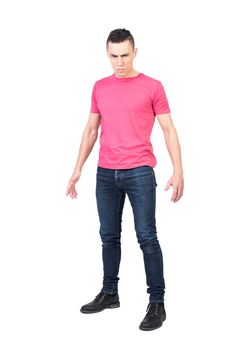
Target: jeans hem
x=156 y=301
x=109 y=291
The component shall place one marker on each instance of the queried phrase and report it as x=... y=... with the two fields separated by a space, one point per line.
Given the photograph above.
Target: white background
x=50 y=251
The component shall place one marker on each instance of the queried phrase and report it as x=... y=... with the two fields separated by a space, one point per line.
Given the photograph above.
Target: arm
x=88 y=140
x=173 y=147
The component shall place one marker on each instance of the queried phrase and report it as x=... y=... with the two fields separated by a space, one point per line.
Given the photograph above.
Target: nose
x=119 y=61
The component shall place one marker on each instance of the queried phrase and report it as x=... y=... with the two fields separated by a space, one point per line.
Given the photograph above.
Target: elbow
x=169 y=129
x=170 y=132
x=91 y=132
x=94 y=133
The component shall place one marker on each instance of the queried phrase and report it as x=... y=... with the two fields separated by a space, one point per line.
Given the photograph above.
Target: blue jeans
x=140 y=185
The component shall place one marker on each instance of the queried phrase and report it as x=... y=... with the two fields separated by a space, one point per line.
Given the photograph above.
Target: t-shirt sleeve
x=160 y=102
x=94 y=106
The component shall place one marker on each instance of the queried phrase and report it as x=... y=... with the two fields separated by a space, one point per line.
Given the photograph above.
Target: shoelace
x=99 y=298
x=152 y=308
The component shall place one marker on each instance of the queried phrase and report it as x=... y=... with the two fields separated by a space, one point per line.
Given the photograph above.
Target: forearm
x=173 y=146
x=87 y=142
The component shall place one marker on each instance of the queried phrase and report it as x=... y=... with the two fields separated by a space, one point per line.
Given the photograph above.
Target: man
x=125 y=104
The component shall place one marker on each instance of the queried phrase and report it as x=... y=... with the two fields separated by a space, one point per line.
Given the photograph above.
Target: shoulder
x=151 y=80
x=103 y=81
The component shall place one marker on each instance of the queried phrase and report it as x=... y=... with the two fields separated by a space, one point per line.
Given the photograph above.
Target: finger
x=180 y=193
x=176 y=197
x=181 y=190
x=167 y=186
x=74 y=191
x=69 y=187
x=71 y=193
x=174 y=194
x=74 y=194
x=68 y=190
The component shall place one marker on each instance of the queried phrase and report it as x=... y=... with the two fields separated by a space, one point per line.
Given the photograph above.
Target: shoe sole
x=152 y=328
x=111 y=306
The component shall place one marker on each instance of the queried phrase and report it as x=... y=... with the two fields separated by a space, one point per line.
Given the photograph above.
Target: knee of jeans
x=150 y=245
x=110 y=241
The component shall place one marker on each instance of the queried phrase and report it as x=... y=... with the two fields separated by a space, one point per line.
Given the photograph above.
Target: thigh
x=141 y=190
x=110 y=201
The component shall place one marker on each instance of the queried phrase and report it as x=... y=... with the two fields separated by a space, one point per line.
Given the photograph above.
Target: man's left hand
x=177 y=181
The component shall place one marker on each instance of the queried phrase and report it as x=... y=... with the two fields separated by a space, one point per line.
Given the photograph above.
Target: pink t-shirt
x=128 y=107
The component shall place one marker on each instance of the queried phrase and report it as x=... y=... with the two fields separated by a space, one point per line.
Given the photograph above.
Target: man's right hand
x=71 y=189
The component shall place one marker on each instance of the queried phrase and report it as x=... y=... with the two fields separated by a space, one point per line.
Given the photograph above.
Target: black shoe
x=154 y=317
x=102 y=301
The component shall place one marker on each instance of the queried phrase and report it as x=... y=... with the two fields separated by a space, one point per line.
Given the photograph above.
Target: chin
x=121 y=73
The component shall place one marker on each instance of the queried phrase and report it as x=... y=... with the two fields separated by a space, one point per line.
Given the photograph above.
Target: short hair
x=120 y=35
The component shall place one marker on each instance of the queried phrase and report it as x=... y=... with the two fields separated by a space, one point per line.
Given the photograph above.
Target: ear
x=135 y=51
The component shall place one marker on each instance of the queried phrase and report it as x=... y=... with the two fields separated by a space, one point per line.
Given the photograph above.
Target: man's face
x=121 y=56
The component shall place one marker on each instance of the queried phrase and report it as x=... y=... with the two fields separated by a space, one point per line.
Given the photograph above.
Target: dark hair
x=120 y=35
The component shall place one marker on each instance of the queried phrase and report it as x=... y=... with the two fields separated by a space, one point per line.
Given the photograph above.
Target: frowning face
x=121 y=56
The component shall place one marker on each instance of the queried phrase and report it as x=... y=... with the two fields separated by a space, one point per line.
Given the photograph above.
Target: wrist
x=178 y=170
x=77 y=172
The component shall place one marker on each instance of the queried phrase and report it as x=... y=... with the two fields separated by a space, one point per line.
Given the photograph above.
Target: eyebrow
x=120 y=55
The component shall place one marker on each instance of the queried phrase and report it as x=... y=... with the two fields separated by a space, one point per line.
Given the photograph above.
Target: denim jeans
x=140 y=185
